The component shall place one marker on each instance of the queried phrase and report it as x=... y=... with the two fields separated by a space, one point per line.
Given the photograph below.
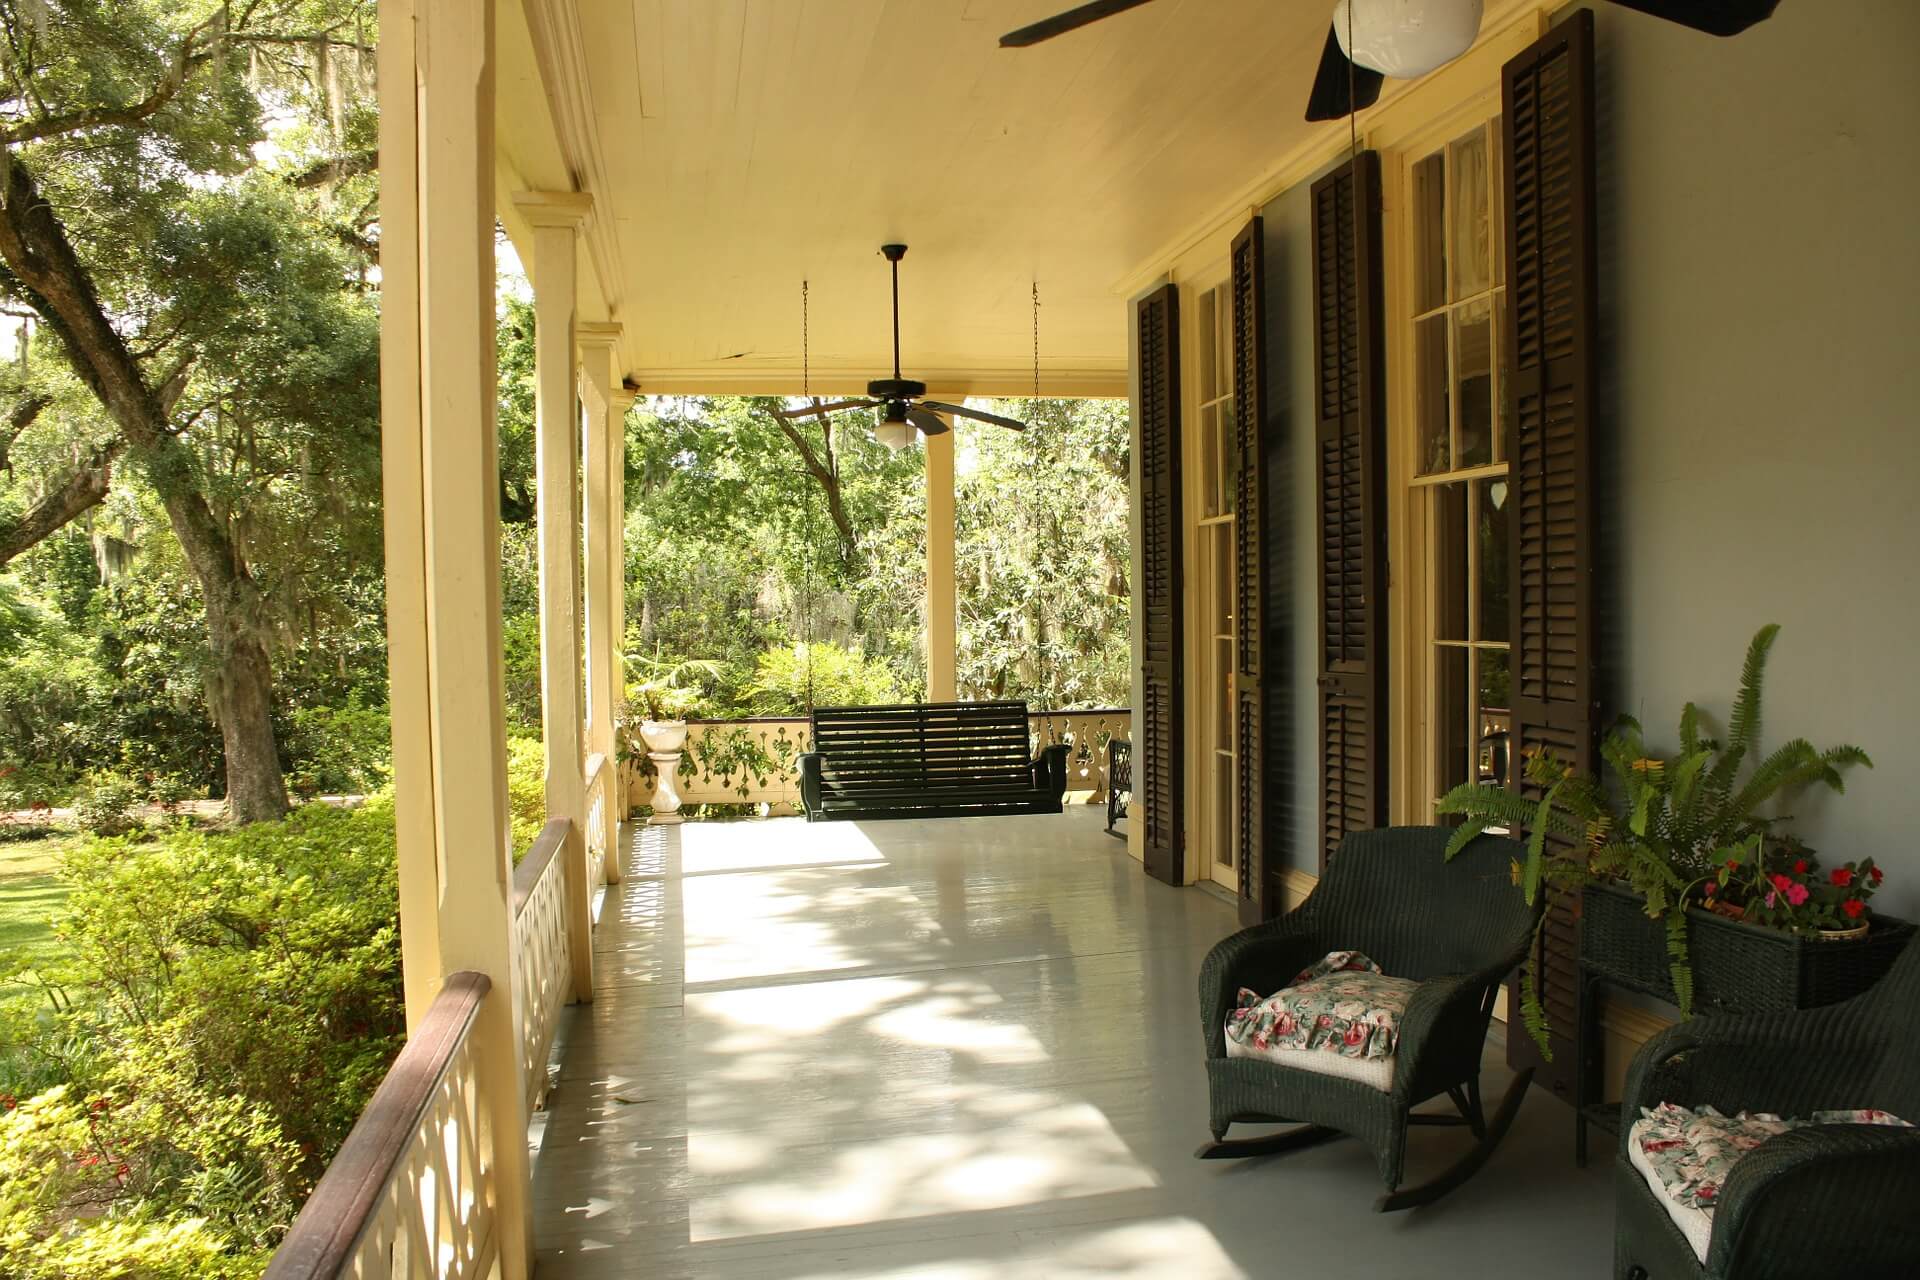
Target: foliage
x=221 y=1009
x=1665 y=826
x=669 y=688
x=344 y=750
x=788 y=680
x=526 y=791
x=1786 y=888
x=105 y=805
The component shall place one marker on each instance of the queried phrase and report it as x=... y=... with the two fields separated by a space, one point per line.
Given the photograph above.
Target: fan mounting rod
x=893 y=253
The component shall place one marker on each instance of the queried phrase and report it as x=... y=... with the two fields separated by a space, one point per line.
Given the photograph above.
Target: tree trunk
x=35 y=248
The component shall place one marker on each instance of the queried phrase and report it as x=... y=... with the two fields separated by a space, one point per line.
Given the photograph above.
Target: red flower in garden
x=1853 y=907
x=1842 y=876
x=1876 y=874
x=1799 y=866
x=1713 y=887
x=1780 y=881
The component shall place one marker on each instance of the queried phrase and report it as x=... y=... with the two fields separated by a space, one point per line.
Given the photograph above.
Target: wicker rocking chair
x=1826 y=1200
x=1456 y=928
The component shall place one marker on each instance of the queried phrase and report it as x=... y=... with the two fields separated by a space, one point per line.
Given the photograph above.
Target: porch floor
x=961 y=1048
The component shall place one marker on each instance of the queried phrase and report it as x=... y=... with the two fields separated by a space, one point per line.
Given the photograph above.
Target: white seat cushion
x=1687 y=1153
x=1339 y=1017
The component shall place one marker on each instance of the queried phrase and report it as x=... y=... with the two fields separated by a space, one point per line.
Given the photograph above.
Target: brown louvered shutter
x=1350 y=465
x=1247 y=284
x=1160 y=762
x=1550 y=349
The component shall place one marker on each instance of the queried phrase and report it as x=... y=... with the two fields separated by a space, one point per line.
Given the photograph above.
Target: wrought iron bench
x=928 y=760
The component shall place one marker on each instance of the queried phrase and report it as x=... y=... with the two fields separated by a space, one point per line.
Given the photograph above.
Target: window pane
x=1503 y=391
x=1452 y=716
x=1429 y=234
x=1469 y=252
x=1497 y=197
x=1492 y=501
x=1473 y=369
x=1450 y=563
x=1430 y=393
x=1204 y=330
x=1223 y=342
x=1210 y=461
x=1494 y=753
x=1229 y=445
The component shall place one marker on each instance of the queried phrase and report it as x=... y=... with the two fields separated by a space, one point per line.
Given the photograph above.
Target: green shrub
x=526 y=791
x=224 y=1006
x=837 y=677
x=339 y=750
x=105 y=804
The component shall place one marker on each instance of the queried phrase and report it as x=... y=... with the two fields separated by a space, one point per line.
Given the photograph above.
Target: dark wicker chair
x=1828 y=1200
x=1458 y=928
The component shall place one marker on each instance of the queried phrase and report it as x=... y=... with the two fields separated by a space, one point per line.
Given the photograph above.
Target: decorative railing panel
x=600 y=823
x=410 y=1193
x=752 y=761
x=542 y=961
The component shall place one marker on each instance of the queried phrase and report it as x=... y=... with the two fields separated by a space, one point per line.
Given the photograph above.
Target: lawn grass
x=31 y=891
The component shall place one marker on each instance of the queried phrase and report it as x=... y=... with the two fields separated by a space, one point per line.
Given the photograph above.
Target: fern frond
x=1689 y=729
x=1532 y=1013
x=1465 y=834
x=1680 y=961
x=1743 y=727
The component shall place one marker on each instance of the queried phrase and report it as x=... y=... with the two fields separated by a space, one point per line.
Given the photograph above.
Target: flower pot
x=1858 y=931
x=1737 y=967
x=663 y=735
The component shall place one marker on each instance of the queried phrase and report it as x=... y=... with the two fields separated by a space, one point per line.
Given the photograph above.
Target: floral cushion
x=1342 y=1007
x=1685 y=1154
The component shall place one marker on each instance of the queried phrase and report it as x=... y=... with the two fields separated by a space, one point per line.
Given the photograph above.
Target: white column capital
x=596 y=333
x=567 y=210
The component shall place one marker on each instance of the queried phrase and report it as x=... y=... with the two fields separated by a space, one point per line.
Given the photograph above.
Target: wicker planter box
x=1737 y=967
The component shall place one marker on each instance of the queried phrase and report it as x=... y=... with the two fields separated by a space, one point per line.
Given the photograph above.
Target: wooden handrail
x=326 y=1234
x=552 y=838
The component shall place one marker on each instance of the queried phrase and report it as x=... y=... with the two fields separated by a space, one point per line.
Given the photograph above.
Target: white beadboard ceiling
x=736 y=147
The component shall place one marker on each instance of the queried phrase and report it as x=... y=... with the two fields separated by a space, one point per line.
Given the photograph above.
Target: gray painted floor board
x=961 y=1048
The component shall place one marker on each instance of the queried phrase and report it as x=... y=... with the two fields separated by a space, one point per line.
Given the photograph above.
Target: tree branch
x=327 y=172
x=824 y=472
x=80 y=492
x=19 y=418
x=185 y=58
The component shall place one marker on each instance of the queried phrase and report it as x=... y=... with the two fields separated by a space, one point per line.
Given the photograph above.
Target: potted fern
x=1664 y=837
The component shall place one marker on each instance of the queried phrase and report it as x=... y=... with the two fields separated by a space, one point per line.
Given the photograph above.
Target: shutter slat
x=1160 y=759
x=1247 y=286
x=1350 y=453
x=1547 y=104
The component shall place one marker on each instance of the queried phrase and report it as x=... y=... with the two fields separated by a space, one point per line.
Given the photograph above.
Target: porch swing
x=925 y=759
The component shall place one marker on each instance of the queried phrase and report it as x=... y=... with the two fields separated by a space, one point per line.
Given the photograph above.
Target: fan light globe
x=1406 y=39
x=893 y=429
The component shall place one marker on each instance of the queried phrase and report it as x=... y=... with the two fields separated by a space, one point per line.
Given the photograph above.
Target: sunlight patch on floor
x=710 y=847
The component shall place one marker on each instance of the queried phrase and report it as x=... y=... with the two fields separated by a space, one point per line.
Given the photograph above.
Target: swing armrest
x=809 y=762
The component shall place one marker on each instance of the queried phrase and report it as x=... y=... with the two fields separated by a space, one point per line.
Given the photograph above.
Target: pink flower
x=1796 y=894
x=1770 y=897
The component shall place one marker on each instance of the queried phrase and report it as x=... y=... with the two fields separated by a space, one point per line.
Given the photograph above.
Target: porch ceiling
x=734 y=147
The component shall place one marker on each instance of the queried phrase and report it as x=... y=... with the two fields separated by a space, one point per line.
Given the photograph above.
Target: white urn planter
x=665 y=740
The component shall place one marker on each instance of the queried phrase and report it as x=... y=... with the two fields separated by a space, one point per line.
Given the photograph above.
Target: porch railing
x=751 y=761
x=542 y=960
x=410 y=1192
x=601 y=778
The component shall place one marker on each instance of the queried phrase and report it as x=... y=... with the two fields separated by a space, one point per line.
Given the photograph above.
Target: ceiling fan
x=1402 y=38
x=902 y=401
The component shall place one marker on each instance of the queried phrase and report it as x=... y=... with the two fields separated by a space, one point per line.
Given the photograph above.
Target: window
x=1454 y=315
x=1217 y=467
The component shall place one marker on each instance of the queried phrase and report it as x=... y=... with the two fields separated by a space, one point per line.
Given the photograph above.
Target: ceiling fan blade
x=822 y=410
x=1715 y=17
x=1328 y=101
x=978 y=415
x=1061 y=23
x=929 y=422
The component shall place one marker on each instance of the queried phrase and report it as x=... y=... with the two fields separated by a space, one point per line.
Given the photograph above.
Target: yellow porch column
x=442 y=518
x=619 y=400
x=556 y=219
x=941 y=599
x=598 y=352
